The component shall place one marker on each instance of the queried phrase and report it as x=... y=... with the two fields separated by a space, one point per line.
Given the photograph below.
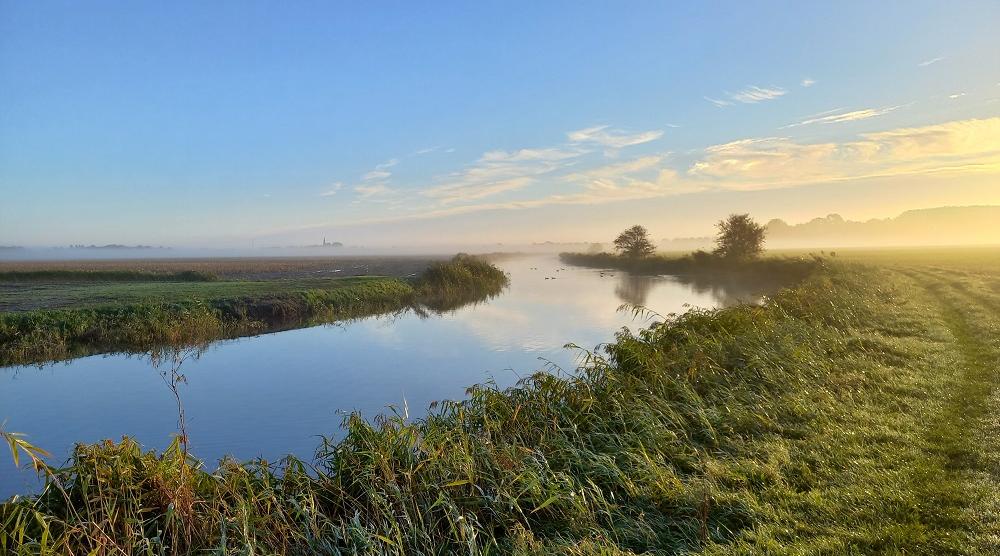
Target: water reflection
x=270 y=395
x=633 y=289
x=729 y=290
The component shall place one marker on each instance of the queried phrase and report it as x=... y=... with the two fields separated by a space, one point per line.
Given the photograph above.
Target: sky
x=405 y=123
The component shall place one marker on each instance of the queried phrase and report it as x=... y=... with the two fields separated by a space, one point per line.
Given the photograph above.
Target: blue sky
x=397 y=123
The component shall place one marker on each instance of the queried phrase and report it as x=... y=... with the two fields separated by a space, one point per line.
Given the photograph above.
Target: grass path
x=906 y=458
x=964 y=433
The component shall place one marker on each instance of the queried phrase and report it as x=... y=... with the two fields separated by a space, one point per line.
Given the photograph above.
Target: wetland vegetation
x=820 y=422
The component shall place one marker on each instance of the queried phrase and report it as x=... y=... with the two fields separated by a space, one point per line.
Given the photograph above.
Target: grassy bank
x=851 y=414
x=48 y=320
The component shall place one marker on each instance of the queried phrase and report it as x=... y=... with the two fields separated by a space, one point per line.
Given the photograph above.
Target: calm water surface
x=271 y=395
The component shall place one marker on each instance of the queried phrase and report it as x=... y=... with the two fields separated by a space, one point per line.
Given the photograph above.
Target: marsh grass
x=462 y=280
x=797 y=427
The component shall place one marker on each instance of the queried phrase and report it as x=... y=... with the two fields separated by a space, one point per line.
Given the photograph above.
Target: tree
x=634 y=242
x=740 y=237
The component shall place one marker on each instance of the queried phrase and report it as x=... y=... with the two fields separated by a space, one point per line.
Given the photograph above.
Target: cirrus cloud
x=840 y=116
x=611 y=138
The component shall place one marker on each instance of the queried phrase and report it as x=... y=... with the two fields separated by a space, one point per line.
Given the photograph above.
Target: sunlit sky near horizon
x=214 y=124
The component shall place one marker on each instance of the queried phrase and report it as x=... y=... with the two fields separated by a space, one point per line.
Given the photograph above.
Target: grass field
x=34 y=295
x=61 y=313
x=853 y=414
x=241 y=268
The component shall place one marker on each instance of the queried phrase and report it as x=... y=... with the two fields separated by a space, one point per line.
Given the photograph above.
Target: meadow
x=239 y=268
x=57 y=313
x=853 y=413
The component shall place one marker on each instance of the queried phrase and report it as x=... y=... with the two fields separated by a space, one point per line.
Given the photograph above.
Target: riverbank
x=850 y=414
x=788 y=270
x=58 y=314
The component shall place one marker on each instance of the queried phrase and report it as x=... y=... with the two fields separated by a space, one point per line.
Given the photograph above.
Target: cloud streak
x=611 y=138
x=718 y=102
x=381 y=171
x=332 y=190
x=838 y=116
x=754 y=94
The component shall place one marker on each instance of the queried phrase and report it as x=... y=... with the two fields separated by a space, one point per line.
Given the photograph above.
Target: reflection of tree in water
x=634 y=289
x=726 y=289
x=730 y=289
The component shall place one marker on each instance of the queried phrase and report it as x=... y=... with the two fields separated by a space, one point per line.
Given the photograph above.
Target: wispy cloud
x=749 y=95
x=754 y=94
x=498 y=172
x=381 y=171
x=472 y=190
x=926 y=63
x=718 y=102
x=376 y=175
x=611 y=138
x=332 y=190
x=955 y=148
x=501 y=171
x=374 y=190
x=524 y=155
x=957 y=95
x=839 y=116
x=807 y=82
x=617 y=170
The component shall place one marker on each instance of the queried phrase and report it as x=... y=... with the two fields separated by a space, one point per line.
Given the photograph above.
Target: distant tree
x=739 y=237
x=595 y=248
x=634 y=242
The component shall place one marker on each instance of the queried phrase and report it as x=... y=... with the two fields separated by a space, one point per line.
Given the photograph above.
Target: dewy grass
x=137 y=317
x=815 y=424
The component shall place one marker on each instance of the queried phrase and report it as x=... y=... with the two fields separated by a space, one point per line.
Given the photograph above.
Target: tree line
x=738 y=237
